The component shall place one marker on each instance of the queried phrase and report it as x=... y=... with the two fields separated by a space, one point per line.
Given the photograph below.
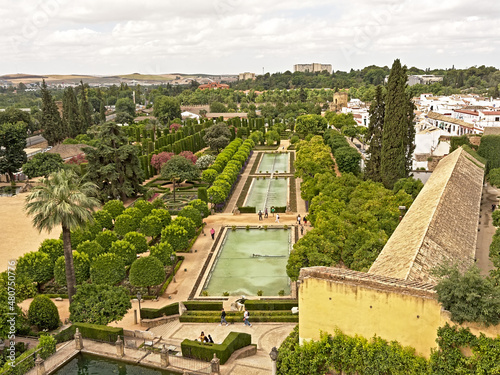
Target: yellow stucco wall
x=325 y=305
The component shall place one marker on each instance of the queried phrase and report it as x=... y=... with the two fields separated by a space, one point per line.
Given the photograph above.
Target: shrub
x=202 y=194
x=124 y=250
x=43 y=313
x=496 y=218
x=158 y=203
x=158 y=160
x=247 y=210
x=176 y=236
x=147 y=271
x=186 y=223
x=203 y=306
x=260 y=292
x=114 y=207
x=47 y=346
x=205 y=352
x=108 y=269
x=35 y=266
x=81 y=266
x=138 y=240
x=151 y=226
x=294 y=139
x=99 y=304
x=173 y=309
x=162 y=251
x=91 y=248
x=103 y=218
x=53 y=248
x=90 y=331
x=136 y=214
x=125 y=224
x=192 y=213
x=205 y=161
x=270 y=305
x=209 y=175
x=163 y=215
x=144 y=206
x=201 y=206
x=105 y=239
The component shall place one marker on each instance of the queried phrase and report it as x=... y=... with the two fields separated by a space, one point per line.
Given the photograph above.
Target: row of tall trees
x=391 y=132
x=77 y=114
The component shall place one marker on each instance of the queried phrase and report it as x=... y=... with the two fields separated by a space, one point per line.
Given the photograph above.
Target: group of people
x=265 y=214
x=206 y=338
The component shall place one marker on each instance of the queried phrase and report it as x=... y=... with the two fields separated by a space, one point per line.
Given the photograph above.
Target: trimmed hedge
x=90 y=331
x=237 y=317
x=203 y=306
x=247 y=210
x=148 y=313
x=270 y=305
x=206 y=351
x=280 y=210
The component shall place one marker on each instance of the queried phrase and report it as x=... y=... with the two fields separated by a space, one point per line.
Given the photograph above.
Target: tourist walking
x=298 y=219
x=266 y=215
x=223 y=317
x=305 y=220
x=301 y=230
x=277 y=218
x=272 y=210
x=260 y=215
x=212 y=233
x=246 y=316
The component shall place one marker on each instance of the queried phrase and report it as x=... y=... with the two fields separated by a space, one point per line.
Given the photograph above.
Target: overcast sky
x=233 y=36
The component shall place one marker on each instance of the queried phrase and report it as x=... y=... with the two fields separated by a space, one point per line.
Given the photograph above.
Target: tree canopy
x=43 y=164
x=12 y=144
x=166 y=108
x=217 y=136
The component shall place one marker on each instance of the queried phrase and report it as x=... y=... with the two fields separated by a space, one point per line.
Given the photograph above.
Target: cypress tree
x=72 y=120
x=50 y=121
x=375 y=129
x=399 y=132
x=102 y=112
x=85 y=111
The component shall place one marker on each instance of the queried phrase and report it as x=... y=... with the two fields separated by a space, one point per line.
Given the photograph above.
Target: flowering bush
x=158 y=160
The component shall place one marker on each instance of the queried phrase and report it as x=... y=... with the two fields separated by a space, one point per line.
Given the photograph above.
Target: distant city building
x=426 y=79
x=246 y=75
x=312 y=68
x=339 y=101
x=213 y=85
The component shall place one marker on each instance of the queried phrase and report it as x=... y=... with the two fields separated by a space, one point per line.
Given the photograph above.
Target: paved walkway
x=486 y=229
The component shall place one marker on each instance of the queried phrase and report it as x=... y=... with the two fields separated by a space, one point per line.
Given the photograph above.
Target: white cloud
x=228 y=36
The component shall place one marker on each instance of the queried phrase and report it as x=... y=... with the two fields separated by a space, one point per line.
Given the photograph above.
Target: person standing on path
x=212 y=233
x=301 y=230
x=260 y=215
x=246 y=316
x=298 y=219
x=272 y=210
x=223 y=317
x=277 y=218
x=266 y=215
x=305 y=220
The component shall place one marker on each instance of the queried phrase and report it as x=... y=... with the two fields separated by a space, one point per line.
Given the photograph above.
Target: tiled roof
x=451 y=120
x=491 y=113
x=440 y=226
x=467 y=112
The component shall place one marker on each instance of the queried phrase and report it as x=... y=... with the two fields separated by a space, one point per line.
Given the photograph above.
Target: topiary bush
x=81 y=265
x=103 y=218
x=192 y=213
x=106 y=238
x=147 y=272
x=186 y=223
x=53 y=248
x=114 y=207
x=125 y=250
x=138 y=240
x=162 y=251
x=43 y=313
x=151 y=226
x=144 y=206
x=35 y=266
x=108 y=269
x=91 y=248
x=176 y=236
x=163 y=215
x=201 y=206
x=125 y=224
x=136 y=214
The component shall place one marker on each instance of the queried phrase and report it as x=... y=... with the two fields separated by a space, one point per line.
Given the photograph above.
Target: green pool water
x=238 y=272
x=267 y=192
x=87 y=364
x=273 y=162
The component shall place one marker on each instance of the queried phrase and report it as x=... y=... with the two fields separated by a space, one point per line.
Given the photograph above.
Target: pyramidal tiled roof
x=440 y=226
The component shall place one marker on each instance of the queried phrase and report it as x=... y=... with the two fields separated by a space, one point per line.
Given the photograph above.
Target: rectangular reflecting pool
x=272 y=163
x=88 y=364
x=267 y=192
x=249 y=261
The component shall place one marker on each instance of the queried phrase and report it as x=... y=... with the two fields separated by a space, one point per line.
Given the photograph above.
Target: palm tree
x=62 y=199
